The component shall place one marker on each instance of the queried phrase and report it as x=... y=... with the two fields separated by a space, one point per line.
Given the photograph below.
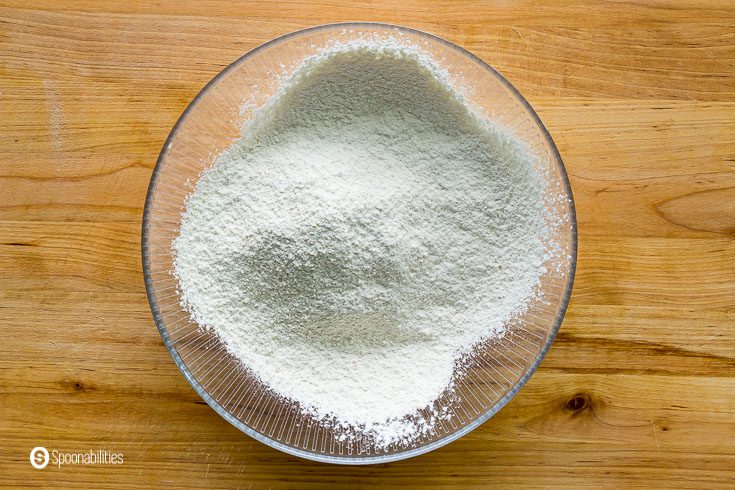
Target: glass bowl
x=212 y=122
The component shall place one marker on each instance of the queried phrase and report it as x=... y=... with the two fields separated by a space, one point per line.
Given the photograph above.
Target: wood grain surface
x=638 y=389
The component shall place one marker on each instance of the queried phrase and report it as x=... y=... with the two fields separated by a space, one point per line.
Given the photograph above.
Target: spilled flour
x=366 y=231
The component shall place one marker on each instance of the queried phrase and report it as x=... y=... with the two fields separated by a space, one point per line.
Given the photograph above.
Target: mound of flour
x=366 y=231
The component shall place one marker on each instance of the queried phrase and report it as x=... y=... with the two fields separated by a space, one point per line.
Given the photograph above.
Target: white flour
x=367 y=232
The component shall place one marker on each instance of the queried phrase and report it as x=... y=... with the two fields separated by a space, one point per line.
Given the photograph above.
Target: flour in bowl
x=363 y=235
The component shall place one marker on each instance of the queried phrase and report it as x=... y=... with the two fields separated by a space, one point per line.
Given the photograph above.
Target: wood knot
x=578 y=403
x=76 y=386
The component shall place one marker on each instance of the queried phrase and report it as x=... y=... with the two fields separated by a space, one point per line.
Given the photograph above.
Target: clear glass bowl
x=211 y=123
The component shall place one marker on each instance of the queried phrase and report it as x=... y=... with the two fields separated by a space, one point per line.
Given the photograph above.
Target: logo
x=39 y=457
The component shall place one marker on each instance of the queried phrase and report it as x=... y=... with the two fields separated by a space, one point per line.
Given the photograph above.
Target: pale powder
x=366 y=232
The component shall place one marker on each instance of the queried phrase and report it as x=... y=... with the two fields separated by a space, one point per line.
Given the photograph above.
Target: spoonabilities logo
x=39 y=457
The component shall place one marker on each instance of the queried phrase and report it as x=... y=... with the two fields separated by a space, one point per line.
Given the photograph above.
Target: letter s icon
x=39 y=457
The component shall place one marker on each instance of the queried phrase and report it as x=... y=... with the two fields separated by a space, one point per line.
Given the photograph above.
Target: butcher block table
x=639 y=386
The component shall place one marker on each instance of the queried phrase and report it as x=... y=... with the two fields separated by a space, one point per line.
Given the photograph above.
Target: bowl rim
x=401 y=454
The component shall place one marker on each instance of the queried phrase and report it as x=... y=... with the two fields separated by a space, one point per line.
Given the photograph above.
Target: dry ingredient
x=367 y=230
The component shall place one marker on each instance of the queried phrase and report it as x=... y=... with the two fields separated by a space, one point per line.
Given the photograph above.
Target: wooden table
x=639 y=388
